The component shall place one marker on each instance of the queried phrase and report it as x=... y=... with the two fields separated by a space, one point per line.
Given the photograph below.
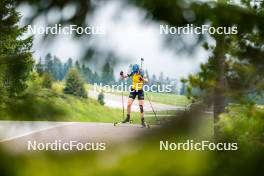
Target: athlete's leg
x=141 y=108
x=141 y=105
x=141 y=102
x=131 y=98
x=129 y=104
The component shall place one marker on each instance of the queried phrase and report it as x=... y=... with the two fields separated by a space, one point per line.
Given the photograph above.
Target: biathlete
x=138 y=80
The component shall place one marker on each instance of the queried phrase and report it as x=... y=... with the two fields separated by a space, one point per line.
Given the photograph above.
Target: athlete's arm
x=143 y=79
x=123 y=75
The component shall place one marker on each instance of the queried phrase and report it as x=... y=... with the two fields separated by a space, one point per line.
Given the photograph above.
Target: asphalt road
x=14 y=135
x=45 y=132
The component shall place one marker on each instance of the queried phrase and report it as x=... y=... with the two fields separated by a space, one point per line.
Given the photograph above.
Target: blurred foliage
x=244 y=124
x=47 y=80
x=16 y=61
x=142 y=155
x=241 y=123
x=234 y=71
x=43 y=7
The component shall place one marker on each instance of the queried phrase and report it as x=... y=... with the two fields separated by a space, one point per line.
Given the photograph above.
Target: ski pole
x=142 y=59
x=121 y=74
x=155 y=114
x=123 y=105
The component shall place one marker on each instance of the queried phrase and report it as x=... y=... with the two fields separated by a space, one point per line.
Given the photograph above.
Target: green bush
x=34 y=82
x=244 y=124
x=47 y=80
x=100 y=98
x=74 y=84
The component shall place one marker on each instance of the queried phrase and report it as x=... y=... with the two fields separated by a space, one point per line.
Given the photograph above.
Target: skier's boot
x=127 y=119
x=143 y=123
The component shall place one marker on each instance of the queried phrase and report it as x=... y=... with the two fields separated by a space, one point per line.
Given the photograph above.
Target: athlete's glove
x=121 y=73
x=141 y=79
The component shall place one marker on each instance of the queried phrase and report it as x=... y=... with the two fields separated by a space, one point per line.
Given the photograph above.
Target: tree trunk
x=219 y=91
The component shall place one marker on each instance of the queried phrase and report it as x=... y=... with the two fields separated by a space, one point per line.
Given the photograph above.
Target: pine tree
x=74 y=84
x=77 y=65
x=48 y=63
x=96 y=78
x=15 y=57
x=39 y=67
x=69 y=63
x=108 y=74
x=153 y=80
x=87 y=73
x=161 y=78
x=146 y=74
x=57 y=69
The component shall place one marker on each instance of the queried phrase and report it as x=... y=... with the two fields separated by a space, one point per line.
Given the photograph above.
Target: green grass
x=76 y=109
x=170 y=99
x=54 y=105
x=164 y=98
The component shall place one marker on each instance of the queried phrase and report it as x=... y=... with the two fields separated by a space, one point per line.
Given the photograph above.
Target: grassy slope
x=50 y=105
x=86 y=110
x=89 y=109
x=53 y=105
x=165 y=98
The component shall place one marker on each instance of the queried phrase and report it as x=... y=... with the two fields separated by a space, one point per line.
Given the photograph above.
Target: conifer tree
x=15 y=57
x=74 y=84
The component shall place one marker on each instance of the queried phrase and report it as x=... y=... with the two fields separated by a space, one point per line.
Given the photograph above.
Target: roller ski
x=127 y=120
x=144 y=124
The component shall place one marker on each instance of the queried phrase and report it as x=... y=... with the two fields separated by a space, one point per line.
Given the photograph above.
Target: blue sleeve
x=142 y=73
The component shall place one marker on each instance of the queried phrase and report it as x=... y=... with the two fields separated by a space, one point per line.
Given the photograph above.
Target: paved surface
x=14 y=135
x=15 y=129
x=16 y=140
x=115 y=101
